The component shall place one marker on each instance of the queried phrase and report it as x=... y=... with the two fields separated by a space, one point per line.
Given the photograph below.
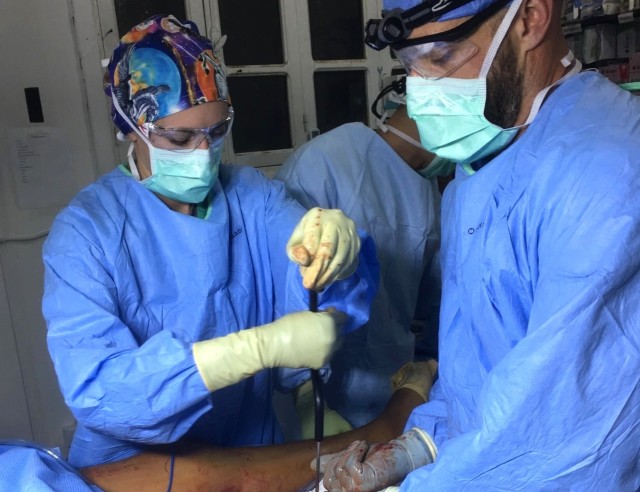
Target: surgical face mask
x=184 y=177
x=438 y=167
x=386 y=128
x=449 y=112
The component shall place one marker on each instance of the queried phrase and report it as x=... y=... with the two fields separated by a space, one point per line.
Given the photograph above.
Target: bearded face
x=505 y=86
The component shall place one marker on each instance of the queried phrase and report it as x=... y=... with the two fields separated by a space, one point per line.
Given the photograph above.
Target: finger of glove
x=345 y=257
x=411 y=372
x=378 y=467
x=353 y=461
x=323 y=258
x=313 y=225
x=347 y=470
x=330 y=480
x=340 y=318
x=335 y=251
x=417 y=376
x=296 y=251
x=325 y=459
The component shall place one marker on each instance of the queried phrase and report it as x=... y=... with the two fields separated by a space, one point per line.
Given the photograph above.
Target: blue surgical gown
x=354 y=169
x=539 y=369
x=32 y=468
x=130 y=285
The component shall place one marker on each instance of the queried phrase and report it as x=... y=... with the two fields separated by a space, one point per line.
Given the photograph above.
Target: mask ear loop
x=389 y=129
x=132 y=163
x=493 y=50
x=499 y=37
x=130 y=159
x=399 y=88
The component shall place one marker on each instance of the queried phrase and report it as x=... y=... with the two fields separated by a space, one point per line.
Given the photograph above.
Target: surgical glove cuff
x=419 y=447
x=302 y=339
x=224 y=361
x=417 y=376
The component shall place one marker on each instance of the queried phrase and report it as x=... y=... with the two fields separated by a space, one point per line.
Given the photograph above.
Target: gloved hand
x=325 y=244
x=365 y=467
x=302 y=339
x=334 y=423
x=417 y=376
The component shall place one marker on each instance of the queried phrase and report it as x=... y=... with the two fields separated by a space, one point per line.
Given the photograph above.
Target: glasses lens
x=218 y=131
x=179 y=139
x=436 y=60
x=189 y=139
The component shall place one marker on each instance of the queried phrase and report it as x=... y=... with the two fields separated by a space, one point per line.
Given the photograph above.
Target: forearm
x=282 y=467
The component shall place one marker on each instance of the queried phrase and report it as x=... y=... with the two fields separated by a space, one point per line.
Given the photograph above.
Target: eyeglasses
x=436 y=60
x=189 y=139
x=436 y=55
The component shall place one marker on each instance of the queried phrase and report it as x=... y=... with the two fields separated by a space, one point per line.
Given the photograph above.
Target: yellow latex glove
x=334 y=423
x=417 y=376
x=302 y=339
x=325 y=244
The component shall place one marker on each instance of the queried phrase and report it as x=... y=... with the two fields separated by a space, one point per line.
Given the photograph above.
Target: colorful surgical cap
x=160 y=67
x=468 y=9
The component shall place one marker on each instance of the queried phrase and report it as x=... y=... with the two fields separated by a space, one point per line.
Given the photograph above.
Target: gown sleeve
x=112 y=383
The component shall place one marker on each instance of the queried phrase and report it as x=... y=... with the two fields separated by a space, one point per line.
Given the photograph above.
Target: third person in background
x=374 y=176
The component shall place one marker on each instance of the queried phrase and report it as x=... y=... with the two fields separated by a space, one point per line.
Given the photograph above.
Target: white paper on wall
x=41 y=166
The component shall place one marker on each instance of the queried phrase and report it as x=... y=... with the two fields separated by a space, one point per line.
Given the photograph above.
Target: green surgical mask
x=439 y=166
x=186 y=177
x=450 y=117
x=449 y=112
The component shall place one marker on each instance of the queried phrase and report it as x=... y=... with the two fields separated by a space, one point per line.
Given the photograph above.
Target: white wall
x=14 y=413
x=40 y=48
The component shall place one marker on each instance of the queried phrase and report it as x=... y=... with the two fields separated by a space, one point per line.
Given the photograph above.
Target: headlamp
x=380 y=33
x=398 y=86
x=396 y=25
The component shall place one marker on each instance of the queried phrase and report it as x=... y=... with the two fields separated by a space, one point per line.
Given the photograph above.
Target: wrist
x=419 y=447
x=227 y=360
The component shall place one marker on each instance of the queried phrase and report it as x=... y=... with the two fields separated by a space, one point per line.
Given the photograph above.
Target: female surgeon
x=170 y=299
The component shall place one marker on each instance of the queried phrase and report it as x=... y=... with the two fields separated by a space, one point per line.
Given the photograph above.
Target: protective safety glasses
x=436 y=55
x=437 y=59
x=189 y=139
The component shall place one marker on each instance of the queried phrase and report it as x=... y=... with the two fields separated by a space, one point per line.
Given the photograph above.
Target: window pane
x=261 y=121
x=337 y=29
x=341 y=97
x=130 y=13
x=254 y=32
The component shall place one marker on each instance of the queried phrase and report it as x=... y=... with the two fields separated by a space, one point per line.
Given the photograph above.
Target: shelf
x=605 y=62
x=575 y=27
